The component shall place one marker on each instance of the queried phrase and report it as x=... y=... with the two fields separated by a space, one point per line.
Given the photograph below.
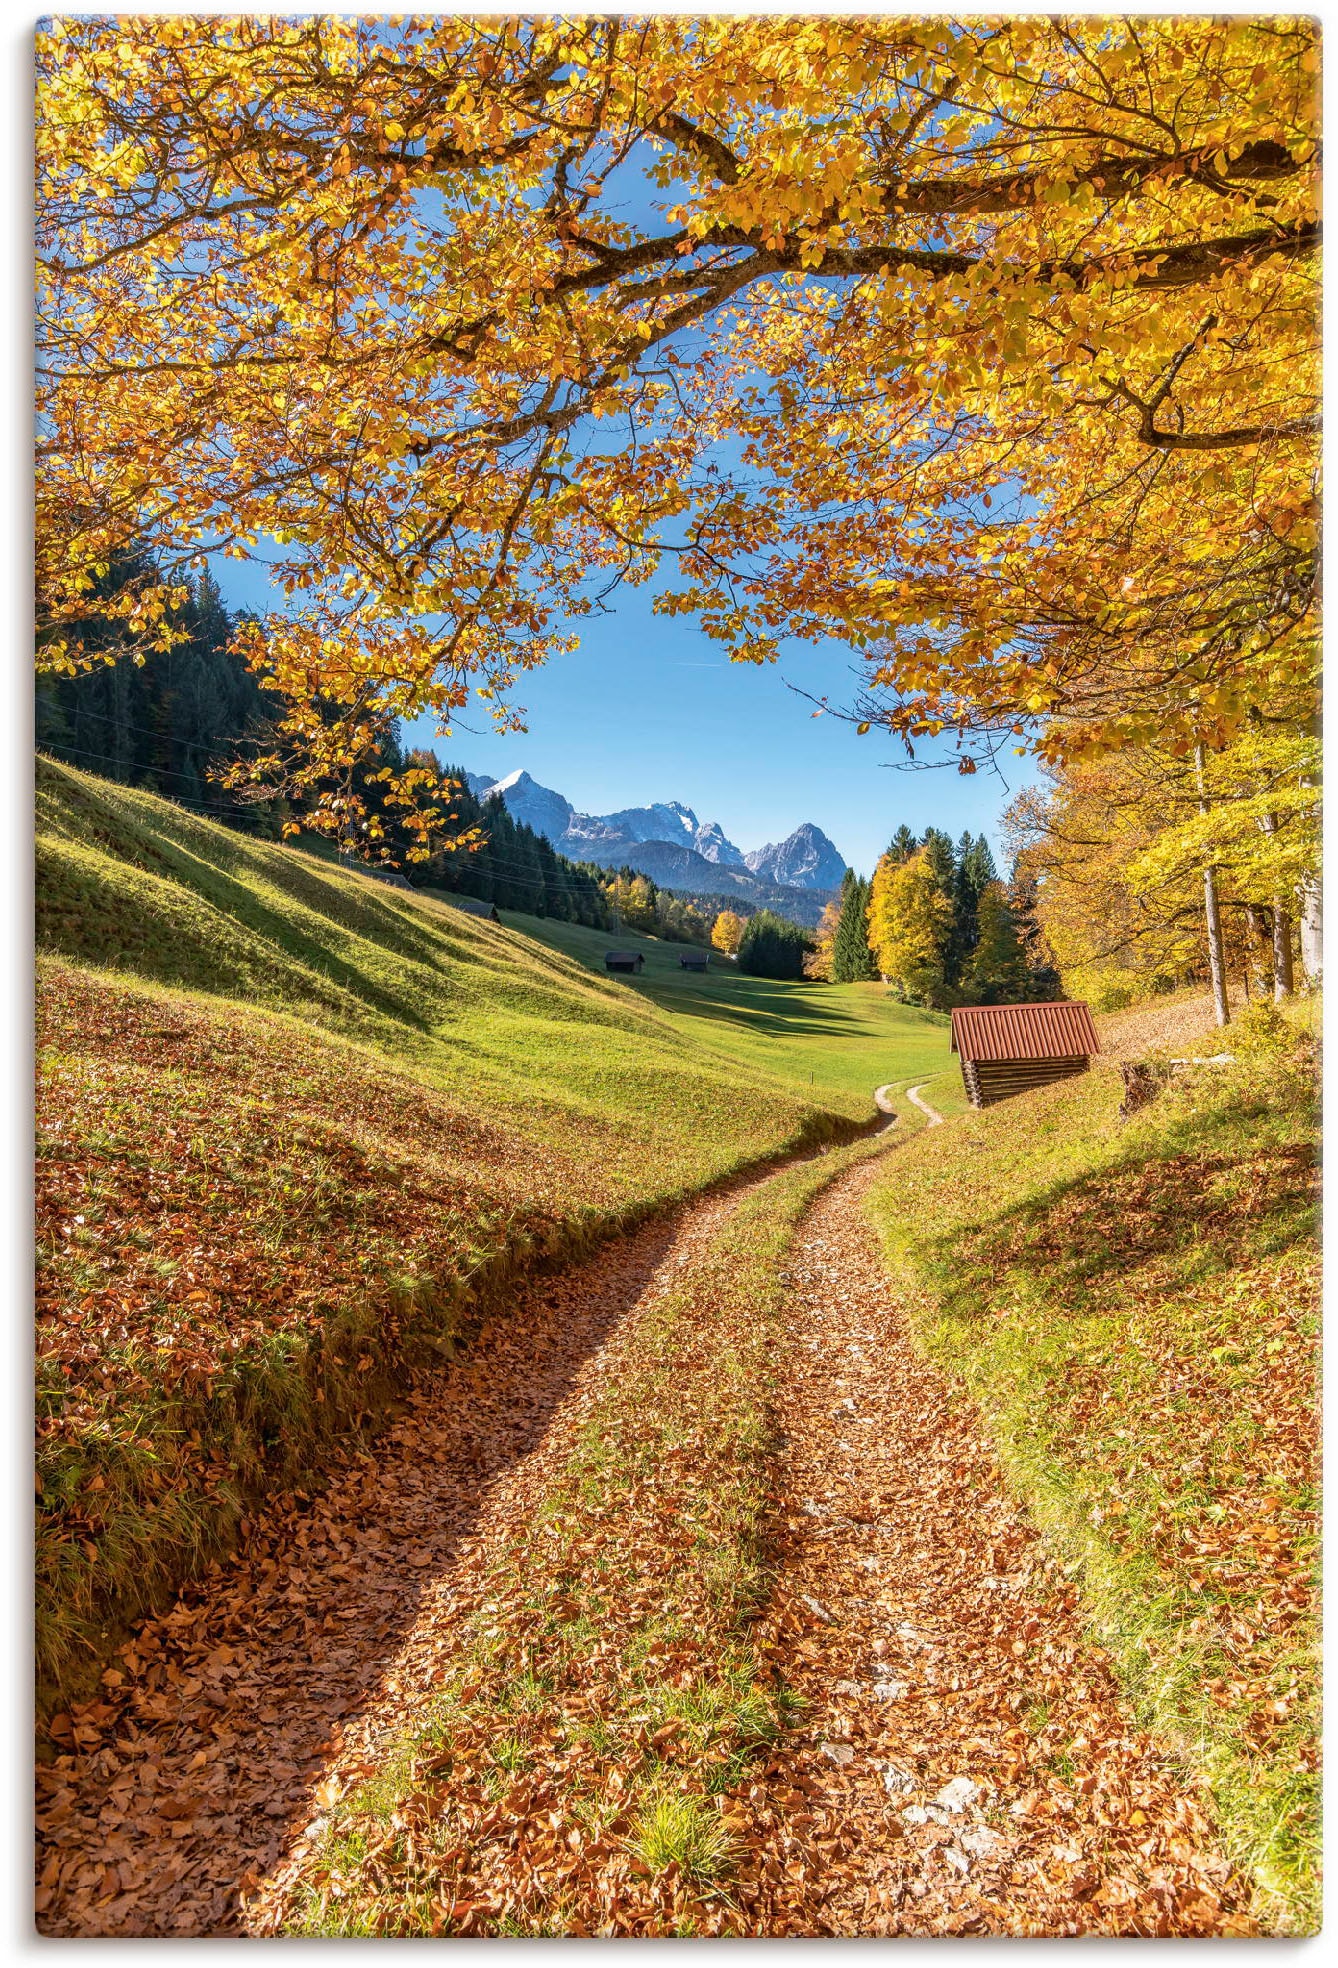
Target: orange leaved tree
x=986 y=347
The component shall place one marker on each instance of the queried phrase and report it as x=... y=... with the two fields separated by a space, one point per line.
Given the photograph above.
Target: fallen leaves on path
x=215 y=1729
x=494 y=1680
x=965 y=1763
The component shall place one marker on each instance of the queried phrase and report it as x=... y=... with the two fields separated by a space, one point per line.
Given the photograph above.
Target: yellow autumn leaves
x=986 y=348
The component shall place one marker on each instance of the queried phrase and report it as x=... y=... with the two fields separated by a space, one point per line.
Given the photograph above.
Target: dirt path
x=188 y=1781
x=931 y=1114
x=965 y=1764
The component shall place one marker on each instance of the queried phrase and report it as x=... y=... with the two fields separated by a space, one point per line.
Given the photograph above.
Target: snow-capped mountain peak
x=806 y=860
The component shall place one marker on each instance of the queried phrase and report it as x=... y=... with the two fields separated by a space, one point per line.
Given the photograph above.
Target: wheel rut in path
x=188 y=1780
x=965 y=1763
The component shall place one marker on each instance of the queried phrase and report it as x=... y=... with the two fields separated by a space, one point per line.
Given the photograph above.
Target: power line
x=125 y=724
x=156 y=770
x=516 y=874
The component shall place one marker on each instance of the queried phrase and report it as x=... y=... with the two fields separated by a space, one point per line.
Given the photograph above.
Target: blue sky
x=649 y=709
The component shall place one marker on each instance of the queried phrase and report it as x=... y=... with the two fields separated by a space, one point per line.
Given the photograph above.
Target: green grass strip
x=1133 y=1307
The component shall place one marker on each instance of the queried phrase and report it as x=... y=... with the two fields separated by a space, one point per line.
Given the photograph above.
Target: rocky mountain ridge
x=667 y=841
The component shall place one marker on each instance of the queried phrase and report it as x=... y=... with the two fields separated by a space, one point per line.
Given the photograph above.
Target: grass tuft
x=681 y=1830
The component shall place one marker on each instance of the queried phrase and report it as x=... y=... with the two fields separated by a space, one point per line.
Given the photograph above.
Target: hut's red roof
x=1028 y=1031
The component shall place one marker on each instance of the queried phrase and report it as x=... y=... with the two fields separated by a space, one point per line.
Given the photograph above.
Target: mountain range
x=669 y=843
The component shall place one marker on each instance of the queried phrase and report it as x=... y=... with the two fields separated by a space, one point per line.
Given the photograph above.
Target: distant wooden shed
x=623 y=960
x=1006 y=1049
x=695 y=959
x=471 y=905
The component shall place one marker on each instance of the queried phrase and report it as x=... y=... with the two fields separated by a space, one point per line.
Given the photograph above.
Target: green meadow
x=831 y=1042
x=1133 y=1305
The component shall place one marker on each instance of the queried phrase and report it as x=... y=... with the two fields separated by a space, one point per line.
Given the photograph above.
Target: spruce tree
x=998 y=972
x=163 y=724
x=902 y=844
x=1044 y=982
x=772 y=947
x=975 y=868
x=852 y=959
x=941 y=858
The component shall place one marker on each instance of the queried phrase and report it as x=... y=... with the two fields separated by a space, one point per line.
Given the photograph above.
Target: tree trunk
x=1312 y=930
x=1216 y=961
x=1212 y=917
x=1284 y=977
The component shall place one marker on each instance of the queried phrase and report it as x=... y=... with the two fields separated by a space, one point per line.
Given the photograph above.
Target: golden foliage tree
x=910 y=919
x=727 y=931
x=1124 y=851
x=1009 y=327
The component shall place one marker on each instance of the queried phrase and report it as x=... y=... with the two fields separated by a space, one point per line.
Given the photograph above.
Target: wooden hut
x=695 y=959
x=623 y=960
x=1005 y=1049
x=470 y=904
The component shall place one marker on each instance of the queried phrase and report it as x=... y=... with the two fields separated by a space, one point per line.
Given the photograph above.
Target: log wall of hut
x=988 y=1080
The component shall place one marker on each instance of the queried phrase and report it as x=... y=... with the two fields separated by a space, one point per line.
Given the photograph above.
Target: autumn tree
x=726 y=931
x=820 y=961
x=986 y=347
x=1118 y=849
x=910 y=920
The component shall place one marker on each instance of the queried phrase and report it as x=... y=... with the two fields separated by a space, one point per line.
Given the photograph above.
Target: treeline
x=510 y=865
x=641 y=904
x=165 y=723
x=1157 y=869
x=516 y=868
x=938 y=924
x=171 y=723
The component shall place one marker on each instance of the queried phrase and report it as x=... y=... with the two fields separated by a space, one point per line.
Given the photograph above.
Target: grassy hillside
x=1134 y=1307
x=291 y=1122
x=833 y=1042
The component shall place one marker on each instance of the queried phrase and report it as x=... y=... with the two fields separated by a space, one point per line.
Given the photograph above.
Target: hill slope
x=286 y=1115
x=833 y=1042
x=293 y=1125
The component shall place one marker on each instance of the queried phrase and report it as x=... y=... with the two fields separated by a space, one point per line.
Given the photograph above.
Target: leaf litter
x=495 y=1680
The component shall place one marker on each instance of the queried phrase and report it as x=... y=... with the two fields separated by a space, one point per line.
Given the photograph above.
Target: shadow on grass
x=1192 y=1215
x=210 y=867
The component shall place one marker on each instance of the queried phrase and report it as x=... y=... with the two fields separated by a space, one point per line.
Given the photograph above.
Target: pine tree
x=773 y=947
x=1043 y=979
x=168 y=723
x=852 y=959
x=902 y=844
x=975 y=868
x=998 y=972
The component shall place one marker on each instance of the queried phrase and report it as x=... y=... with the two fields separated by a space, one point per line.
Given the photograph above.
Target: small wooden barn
x=391 y=875
x=623 y=960
x=470 y=904
x=1005 y=1049
x=695 y=959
